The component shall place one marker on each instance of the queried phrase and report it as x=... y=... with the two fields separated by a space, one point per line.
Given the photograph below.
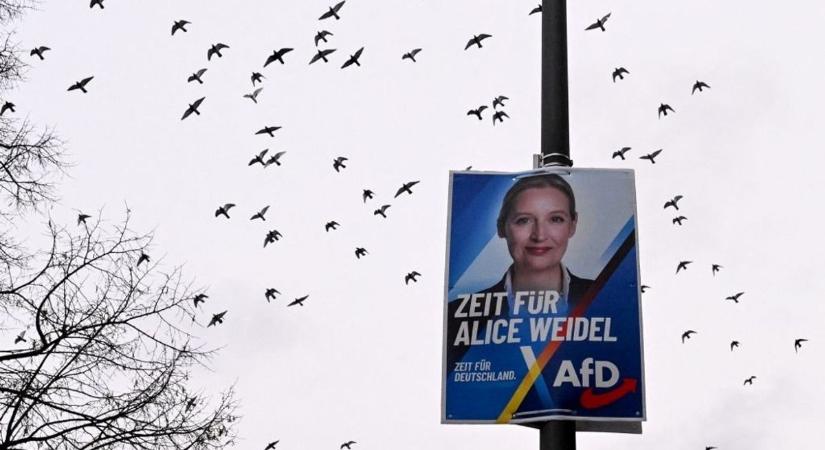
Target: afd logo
x=599 y=374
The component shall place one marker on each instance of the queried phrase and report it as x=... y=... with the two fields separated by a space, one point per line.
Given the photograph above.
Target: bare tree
x=98 y=356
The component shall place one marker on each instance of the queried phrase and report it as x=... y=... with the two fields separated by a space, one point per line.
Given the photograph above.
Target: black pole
x=558 y=435
x=555 y=119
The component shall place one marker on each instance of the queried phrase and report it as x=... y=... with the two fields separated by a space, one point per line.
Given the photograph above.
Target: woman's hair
x=535 y=181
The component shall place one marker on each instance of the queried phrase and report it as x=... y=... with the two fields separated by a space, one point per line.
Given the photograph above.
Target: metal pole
x=555 y=120
x=558 y=435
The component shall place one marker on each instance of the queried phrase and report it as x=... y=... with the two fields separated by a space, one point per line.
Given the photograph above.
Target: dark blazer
x=576 y=290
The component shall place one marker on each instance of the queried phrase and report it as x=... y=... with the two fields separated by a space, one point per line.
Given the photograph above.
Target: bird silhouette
x=338 y=163
x=687 y=334
x=664 y=108
x=81 y=218
x=652 y=156
x=699 y=85
x=353 y=59
x=410 y=54
x=180 y=25
x=347 y=444
x=477 y=112
x=476 y=40
x=298 y=301
x=81 y=85
x=620 y=153
x=599 y=23
x=710 y=448
x=644 y=288
x=7 y=106
x=193 y=108
x=674 y=202
x=333 y=12
x=277 y=55
x=619 y=72
x=499 y=115
x=254 y=95
x=257 y=77
x=360 y=251
x=367 y=194
x=734 y=344
x=260 y=214
x=797 y=344
x=39 y=51
x=215 y=49
x=216 y=319
x=143 y=258
x=20 y=337
x=749 y=380
x=715 y=268
x=411 y=277
x=259 y=158
x=406 y=187
x=224 y=210
x=271 y=445
x=322 y=54
x=269 y=294
x=499 y=101
x=679 y=220
x=535 y=10
x=682 y=265
x=270 y=130
x=272 y=236
x=331 y=225
x=735 y=297
x=322 y=36
x=275 y=159
x=200 y=298
x=381 y=211
x=196 y=76
x=96 y=2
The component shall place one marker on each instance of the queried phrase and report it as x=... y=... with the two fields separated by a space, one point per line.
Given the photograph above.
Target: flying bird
x=353 y=59
x=599 y=23
x=499 y=101
x=679 y=220
x=200 y=298
x=347 y=444
x=381 y=211
x=735 y=297
x=272 y=236
x=277 y=55
x=270 y=294
x=331 y=225
x=620 y=153
x=749 y=380
x=96 y=2
x=259 y=158
x=224 y=210
x=260 y=214
x=300 y=300
x=643 y=288
x=797 y=344
x=499 y=115
x=406 y=187
x=674 y=202
x=7 y=106
x=734 y=344
x=216 y=319
x=196 y=76
x=338 y=163
x=715 y=268
x=322 y=54
x=333 y=12
x=179 y=25
x=81 y=85
x=322 y=36
x=476 y=40
x=81 y=218
x=367 y=194
x=699 y=85
x=193 y=108
x=257 y=77
x=687 y=334
x=535 y=10
x=143 y=258
x=411 y=277
x=215 y=49
x=275 y=159
x=411 y=54
x=270 y=130
x=477 y=112
x=664 y=108
x=271 y=445
x=682 y=265
x=619 y=72
x=254 y=95
x=20 y=337
x=39 y=51
x=360 y=251
x=652 y=156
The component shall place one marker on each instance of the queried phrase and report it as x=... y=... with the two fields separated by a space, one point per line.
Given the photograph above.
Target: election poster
x=542 y=317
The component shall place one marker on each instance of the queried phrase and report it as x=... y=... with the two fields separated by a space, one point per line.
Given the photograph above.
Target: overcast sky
x=362 y=359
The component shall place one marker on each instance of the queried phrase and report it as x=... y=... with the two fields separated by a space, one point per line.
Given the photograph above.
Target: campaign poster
x=542 y=317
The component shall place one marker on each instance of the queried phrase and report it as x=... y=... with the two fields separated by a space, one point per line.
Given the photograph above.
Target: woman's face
x=538 y=228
